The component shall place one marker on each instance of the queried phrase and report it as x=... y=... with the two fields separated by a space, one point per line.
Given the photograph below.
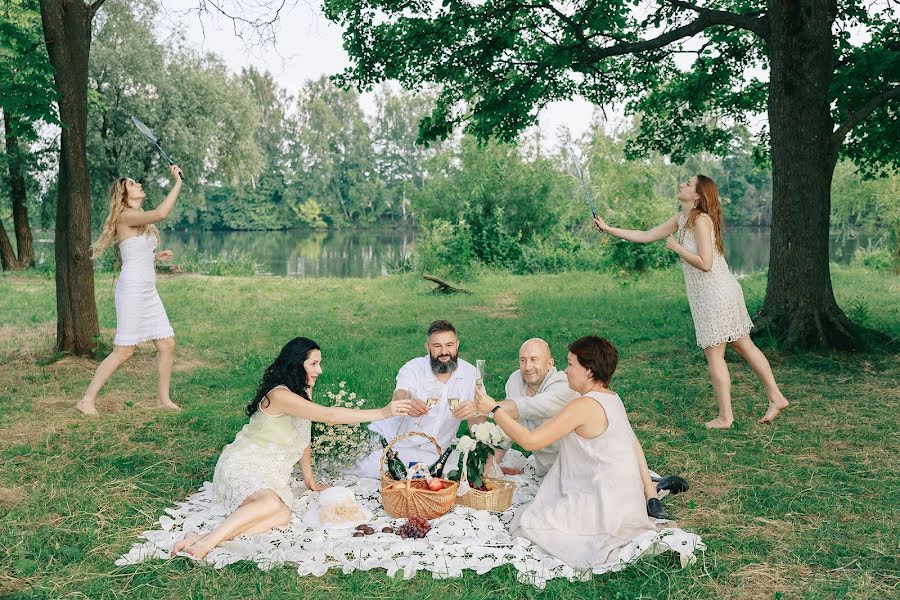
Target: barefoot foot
x=86 y=408
x=167 y=405
x=774 y=410
x=185 y=542
x=719 y=423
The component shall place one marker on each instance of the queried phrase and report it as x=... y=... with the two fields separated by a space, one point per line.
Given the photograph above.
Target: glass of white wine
x=453 y=396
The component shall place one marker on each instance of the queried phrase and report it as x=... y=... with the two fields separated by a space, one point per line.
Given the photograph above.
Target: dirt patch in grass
x=11 y=496
x=505 y=307
x=764 y=580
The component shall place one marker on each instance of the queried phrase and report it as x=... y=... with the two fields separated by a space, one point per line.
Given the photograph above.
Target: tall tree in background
x=400 y=161
x=500 y=61
x=26 y=99
x=332 y=156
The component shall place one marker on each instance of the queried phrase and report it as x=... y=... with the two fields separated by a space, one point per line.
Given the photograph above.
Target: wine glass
x=453 y=396
x=479 y=377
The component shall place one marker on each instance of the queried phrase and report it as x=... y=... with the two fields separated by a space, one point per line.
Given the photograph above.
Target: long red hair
x=710 y=205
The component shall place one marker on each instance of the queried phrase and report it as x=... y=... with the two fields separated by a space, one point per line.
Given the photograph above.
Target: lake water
x=370 y=253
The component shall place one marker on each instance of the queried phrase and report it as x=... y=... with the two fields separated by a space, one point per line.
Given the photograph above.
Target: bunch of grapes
x=415 y=527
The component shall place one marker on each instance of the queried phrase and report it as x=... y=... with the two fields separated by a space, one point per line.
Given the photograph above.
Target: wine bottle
x=395 y=467
x=437 y=469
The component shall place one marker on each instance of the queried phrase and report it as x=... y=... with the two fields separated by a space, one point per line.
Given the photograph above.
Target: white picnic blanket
x=462 y=539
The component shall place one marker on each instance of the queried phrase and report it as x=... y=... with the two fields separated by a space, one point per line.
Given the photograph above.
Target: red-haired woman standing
x=715 y=296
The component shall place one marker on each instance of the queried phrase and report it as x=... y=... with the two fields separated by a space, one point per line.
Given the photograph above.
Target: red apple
x=435 y=484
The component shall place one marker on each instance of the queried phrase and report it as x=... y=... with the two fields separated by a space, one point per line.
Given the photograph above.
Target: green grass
x=803 y=508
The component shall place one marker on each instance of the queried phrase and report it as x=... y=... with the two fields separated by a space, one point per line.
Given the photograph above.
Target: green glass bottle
x=437 y=469
x=395 y=467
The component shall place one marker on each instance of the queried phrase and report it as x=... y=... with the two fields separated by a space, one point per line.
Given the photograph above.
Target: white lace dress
x=716 y=299
x=140 y=315
x=261 y=456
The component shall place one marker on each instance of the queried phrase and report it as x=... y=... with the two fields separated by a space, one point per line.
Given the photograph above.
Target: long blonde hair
x=710 y=205
x=118 y=202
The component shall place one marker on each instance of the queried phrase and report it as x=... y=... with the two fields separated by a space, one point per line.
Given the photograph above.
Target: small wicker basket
x=498 y=497
x=403 y=499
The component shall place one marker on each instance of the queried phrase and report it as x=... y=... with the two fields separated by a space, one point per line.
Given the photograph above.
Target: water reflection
x=370 y=253
x=747 y=248
x=302 y=253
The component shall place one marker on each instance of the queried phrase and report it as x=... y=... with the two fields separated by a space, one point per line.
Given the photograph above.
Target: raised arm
x=285 y=401
x=577 y=413
x=636 y=235
x=137 y=218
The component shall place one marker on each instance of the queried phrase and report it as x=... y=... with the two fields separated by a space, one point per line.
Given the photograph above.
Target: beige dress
x=262 y=455
x=716 y=299
x=591 y=503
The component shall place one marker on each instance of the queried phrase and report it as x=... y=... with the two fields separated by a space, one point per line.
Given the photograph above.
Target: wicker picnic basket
x=403 y=499
x=498 y=497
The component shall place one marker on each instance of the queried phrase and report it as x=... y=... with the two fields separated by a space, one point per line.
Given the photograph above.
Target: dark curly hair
x=287 y=370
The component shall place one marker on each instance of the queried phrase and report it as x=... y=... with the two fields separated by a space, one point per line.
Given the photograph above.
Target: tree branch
x=837 y=138
x=756 y=24
x=94 y=7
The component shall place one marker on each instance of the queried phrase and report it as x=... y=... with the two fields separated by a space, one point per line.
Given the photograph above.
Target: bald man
x=534 y=393
x=537 y=392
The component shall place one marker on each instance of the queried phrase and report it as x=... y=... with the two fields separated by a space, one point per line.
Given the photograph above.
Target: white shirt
x=417 y=377
x=552 y=396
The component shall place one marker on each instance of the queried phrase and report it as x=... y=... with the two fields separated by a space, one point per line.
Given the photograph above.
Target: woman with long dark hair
x=715 y=296
x=251 y=483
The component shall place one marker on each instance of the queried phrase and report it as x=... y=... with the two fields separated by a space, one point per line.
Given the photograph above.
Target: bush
x=628 y=256
x=445 y=249
x=877 y=258
x=234 y=263
x=565 y=252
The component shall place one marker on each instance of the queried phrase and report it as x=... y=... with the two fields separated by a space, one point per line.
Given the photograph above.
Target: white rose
x=465 y=443
x=482 y=433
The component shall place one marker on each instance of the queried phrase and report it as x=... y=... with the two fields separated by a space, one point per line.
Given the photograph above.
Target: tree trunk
x=67 y=31
x=7 y=256
x=18 y=195
x=799 y=307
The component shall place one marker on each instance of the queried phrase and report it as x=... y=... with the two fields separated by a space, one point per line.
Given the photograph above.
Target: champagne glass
x=453 y=396
x=479 y=378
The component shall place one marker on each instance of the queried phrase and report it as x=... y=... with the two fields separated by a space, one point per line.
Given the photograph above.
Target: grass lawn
x=803 y=508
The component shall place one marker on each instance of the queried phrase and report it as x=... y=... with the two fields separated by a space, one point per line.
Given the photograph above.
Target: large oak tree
x=831 y=88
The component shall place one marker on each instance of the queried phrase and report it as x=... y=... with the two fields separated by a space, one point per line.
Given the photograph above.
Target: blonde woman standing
x=140 y=315
x=715 y=296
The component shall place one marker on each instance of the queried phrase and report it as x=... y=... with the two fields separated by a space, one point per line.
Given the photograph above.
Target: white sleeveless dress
x=262 y=456
x=591 y=503
x=716 y=299
x=140 y=315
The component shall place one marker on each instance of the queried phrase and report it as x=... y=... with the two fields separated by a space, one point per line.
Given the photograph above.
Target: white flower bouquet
x=335 y=447
x=488 y=438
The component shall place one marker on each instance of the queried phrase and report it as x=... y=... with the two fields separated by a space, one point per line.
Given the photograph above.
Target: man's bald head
x=535 y=361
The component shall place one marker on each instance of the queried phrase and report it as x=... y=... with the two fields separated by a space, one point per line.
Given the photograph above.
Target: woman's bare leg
x=721 y=380
x=105 y=370
x=165 y=356
x=264 y=507
x=760 y=365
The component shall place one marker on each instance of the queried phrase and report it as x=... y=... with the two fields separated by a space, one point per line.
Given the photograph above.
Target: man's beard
x=442 y=368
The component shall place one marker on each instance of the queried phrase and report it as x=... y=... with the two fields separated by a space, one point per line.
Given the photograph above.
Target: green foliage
x=446 y=249
x=878 y=258
x=205 y=118
x=866 y=207
x=225 y=263
x=500 y=62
